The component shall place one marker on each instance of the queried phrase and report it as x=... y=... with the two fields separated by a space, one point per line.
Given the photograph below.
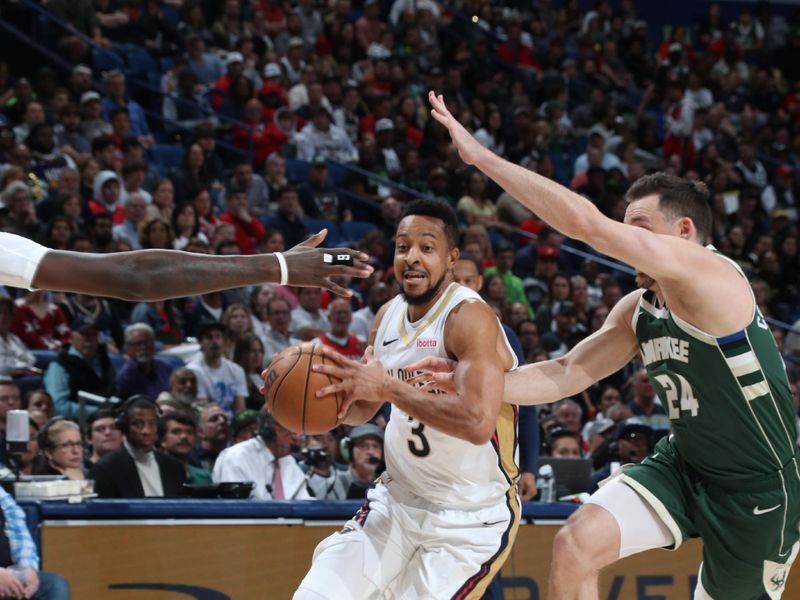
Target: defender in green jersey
x=728 y=472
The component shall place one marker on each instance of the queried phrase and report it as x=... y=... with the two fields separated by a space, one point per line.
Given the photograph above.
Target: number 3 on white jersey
x=674 y=390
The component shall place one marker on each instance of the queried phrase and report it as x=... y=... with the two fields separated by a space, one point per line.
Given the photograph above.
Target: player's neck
x=417 y=311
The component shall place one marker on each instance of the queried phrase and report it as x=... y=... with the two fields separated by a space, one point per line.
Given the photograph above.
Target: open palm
x=468 y=146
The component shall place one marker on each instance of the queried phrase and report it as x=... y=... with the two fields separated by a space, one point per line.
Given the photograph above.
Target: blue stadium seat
x=353 y=231
x=175 y=361
x=106 y=60
x=315 y=225
x=296 y=170
x=167 y=157
x=44 y=358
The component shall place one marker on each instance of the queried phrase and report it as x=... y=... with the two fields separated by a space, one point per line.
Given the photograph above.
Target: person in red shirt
x=40 y=324
x=514 y=52
x=249 y=230
x=339 y=337
x=234 y=67
x=106 y=196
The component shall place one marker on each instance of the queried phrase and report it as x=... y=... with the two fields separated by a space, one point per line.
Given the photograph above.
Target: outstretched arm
x=599 y=355
x=149 y=275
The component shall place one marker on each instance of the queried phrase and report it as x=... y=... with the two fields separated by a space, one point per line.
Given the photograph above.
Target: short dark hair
x=469 y=257
x=101 y=143
x=287 y=189
x=678 y=198
x=101 y=413
x=437 y=209
x=179 y=417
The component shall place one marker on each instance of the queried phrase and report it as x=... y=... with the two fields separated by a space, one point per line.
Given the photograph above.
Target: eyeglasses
x=8 y=398
x=69 y=445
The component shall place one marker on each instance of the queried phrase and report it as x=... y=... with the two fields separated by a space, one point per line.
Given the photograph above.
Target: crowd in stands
x=282 y=117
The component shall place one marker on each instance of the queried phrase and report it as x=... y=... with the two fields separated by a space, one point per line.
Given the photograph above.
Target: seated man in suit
x=136 y=470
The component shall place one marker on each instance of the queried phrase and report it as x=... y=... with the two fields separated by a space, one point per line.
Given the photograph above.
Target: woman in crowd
x=163 y=201
x=237 y=321
x=40 y=400
x=475 y=207
x=494 y=293
x=248 y=353
x=61 y=448
x=156 y=233
x=39 y=323
x=186 y=226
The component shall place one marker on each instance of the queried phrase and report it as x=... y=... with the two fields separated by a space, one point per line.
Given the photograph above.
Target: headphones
x=346 y=448
x=42 y=437
x=135 y=401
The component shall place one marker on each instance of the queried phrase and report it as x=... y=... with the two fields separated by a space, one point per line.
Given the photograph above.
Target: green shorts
x=750 y=534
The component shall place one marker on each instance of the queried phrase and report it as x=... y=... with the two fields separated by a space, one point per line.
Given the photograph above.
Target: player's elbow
x=481 y=430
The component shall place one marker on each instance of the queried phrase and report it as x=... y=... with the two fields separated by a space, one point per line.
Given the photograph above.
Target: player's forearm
x=571 y=214
x=448 y=413
x=361 y=411
x=150 y=275
x=542 y=383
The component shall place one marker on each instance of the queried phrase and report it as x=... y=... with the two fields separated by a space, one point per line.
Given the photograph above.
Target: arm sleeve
x=20 y=260
x=23 y=550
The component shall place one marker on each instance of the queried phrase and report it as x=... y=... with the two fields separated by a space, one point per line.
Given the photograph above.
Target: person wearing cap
x=234 y=68
x=80 y=82
x=632 y=440
x=384 y=138
x=537 y=286
x=93 y=126
x=186 y=107
x=207 y=67
x=318 y=196
x=363 y=449
x=266 y=460
x=116 y=97
x=69 y=137
x=82 y=365
x=294 y=64
x=715 y=367
x=780 y=193
x=220 y=381
x=597 y=136
x=244 y=426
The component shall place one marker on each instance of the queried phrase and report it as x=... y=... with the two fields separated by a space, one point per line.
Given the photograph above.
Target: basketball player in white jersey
x=441 y=521
x=149 y=275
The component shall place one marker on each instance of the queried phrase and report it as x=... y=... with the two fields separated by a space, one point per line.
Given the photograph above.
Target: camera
x=315 y=457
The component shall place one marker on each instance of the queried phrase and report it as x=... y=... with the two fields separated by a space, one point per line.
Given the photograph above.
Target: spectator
x=308 y=319
x=244 y=426
x=249 y=230
x=207 y=67
x=278 y=337
x=646 y=408
x=23 y=556
x=15 y=358
x=214 y=434
x=318 y=197
x=219 y=380
x=100 y=227
x=248 y=353
x=82 y=365
x=186 y=226
x=20 y=217
x=255 y=186
x=563 y=443
x=9 y=400
x=288 y=218
x=504 y=260
x=340 y=315
x=364 y=453
x=106 y=196
x=156 y=232
x=361 y=325
x=133 y=175
x=135 y=213
x=105 y=317
x=102 y=436
x=143 y=373
x=39 y=400
x=238 y=322
x=321 y=138
x=266 y=460
x=39 y=323
x=633 y=443
x=61 y=446
x=179 y=431
x=183 y=387
x=116 y=97
x=137 y=470
x=780 y=195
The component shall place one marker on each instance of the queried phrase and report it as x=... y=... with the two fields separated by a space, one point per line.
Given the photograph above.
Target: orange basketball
x=290 y=388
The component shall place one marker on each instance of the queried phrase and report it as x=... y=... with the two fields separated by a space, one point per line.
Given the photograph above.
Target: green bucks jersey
x=728 y=398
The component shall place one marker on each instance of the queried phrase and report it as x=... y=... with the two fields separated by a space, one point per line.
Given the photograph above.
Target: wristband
x=284 y=268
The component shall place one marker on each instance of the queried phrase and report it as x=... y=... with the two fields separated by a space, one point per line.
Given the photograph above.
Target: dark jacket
x=115 y=476
x=82 y=376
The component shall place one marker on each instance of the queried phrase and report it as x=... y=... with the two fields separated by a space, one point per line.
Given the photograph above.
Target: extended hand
x=307 y=266
x=437 y=374
x=468 y=146
x=365 y=382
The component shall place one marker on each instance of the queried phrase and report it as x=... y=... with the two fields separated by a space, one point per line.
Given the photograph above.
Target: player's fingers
x=336 y=288
x=333 y=389
x=422 y=379
x=369 y=354
x=332 y=370
x=315 y=240
x=433 y=363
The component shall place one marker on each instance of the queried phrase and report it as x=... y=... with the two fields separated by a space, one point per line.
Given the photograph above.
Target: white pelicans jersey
x=437 y=467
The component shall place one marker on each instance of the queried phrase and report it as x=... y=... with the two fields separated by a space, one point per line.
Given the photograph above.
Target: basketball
x=290 y=388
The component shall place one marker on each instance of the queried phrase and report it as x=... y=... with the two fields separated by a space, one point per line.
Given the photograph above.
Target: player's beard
x=644 y=281
x=425 y=296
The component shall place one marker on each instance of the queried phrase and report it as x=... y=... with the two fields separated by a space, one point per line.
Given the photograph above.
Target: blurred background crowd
x=243 y=126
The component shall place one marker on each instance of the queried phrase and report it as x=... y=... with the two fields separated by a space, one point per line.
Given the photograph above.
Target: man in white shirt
x=219 y=380
x=135 y=213
x=277 y=338
x=266 y=460
x=15 y=358
x=378 y=295
x=308 y=320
